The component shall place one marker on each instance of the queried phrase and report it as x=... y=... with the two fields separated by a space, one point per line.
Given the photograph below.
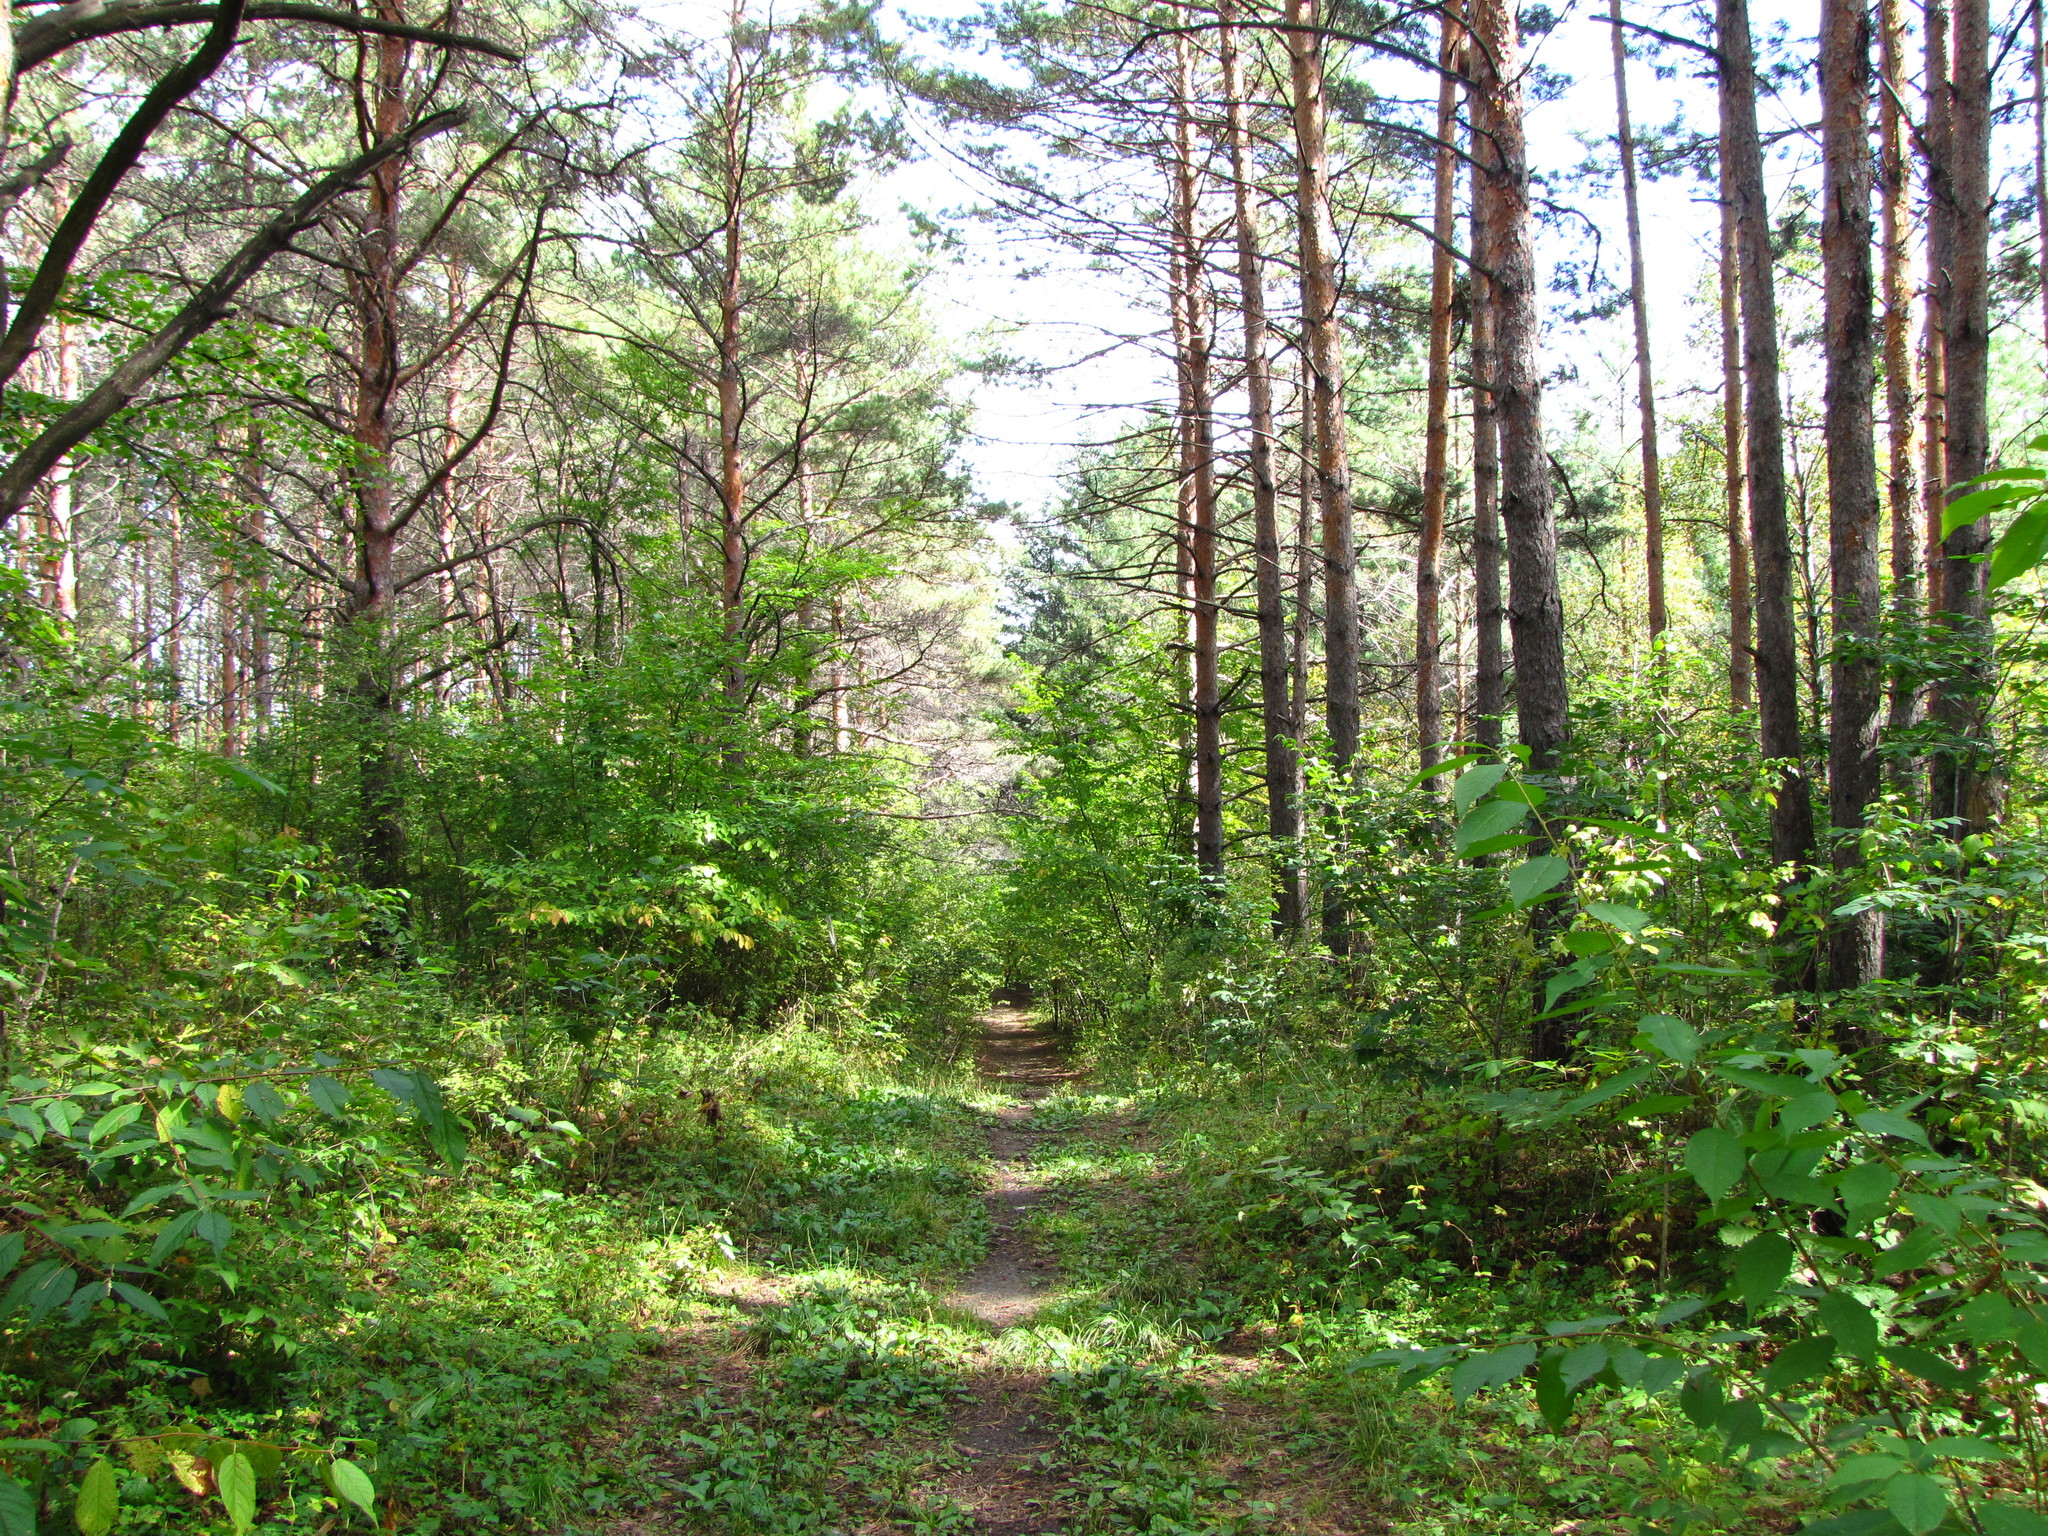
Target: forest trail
x=1007 y=1287
x=1003 y=1426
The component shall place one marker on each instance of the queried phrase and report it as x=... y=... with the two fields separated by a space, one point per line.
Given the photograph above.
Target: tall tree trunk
x=367 y=612
x=2037 y=65
x=1201 y=436
x=1646 y=388
x=1934 y=141
x=1322 y=346
x=1962 y=770
x=1898 y=359
x=1489 y=683
x=60 y=554
x=1777 y=650
x=1302 y=618
x=1436 y=437
x=1535 y=606
x=1734 y=468
x=1283 y=763
x=1855 y=944
x=732 y=479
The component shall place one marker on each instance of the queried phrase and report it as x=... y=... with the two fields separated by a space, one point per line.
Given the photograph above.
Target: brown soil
x=1002 y=1427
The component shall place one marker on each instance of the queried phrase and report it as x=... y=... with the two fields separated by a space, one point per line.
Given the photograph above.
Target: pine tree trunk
x=1322 y=346
x=1735 y=469
x=1201 y=434
x=1777 y=650
x=1646 y=389
x=732 y=478
x=1436 y=436
x=1489 y=683
x=1535 y=607
x=1900 y=487
x=1855 y=676
x=1934 y=142
x=2037 y=64
x=1283 y=763
x=1963 y=785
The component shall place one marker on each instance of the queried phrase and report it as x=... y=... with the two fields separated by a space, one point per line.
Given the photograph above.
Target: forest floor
x=1023 y=1397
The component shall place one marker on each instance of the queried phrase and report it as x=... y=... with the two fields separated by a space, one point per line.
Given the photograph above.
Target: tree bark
x=1535 y=606
x=1734 y=467
x=1489 y=683
x=1201 y=438
x=1283 y=763
x=1900 y=488
x=2037 y=65
x=732 y=479
x=1436 y=435
x=1777 y=653
x=368 y=609
x=1934 y=141
x=1962 y=784
x=1323 y=351
x=1646 y=389
x=1855 y=676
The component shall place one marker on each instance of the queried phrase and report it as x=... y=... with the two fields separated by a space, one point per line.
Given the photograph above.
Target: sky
x=1028 y=432
x=1050 y=307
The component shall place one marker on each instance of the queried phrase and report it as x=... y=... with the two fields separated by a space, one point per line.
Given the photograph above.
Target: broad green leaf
x=215 y=1230
x=1715 y=1158
x=1854 y=1471
x=1769 y=1084
x=172 y=1238
x=1807 y=1111
x=1761 y=1268
x=1866 y=1189
x=17 y=1509
x=1679 y=1310
x=330 y=1097
x=1671 y=1035
x=116 y=1119
x=1850 y=1324
x=141 y=1301
x=2000 y=1517
x=1475 y=1373
x=1532 y=877
x=11 y=1246
x=1627 y=1362
x=353 y=1484
x=1661 y=1373
x=1582 y=1365
x=1615 y=914
x=2021 y=547
x=1701 y=1401
x=1553 y=1396
x=265 y=1102
x=2032 y=1339
x=1474 y=784
x=1449 y=765
x=51 y=1292
x=1486 y=822
x=1917 y=1501
x=1968 y=1448
x=1990 y=1319
x=235 y=1479
x=1800 y=1362
x=1971 y=505
x=1889 y=1122
x=99 y=1500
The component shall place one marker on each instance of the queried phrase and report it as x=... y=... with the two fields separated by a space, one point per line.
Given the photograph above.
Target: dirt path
x=1003 y=1426
x=1007 y=1287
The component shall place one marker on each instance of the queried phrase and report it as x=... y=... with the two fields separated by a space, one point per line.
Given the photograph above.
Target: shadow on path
x=1002 y=1426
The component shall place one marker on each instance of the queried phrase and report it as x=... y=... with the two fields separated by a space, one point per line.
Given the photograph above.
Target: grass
x=663 y=1324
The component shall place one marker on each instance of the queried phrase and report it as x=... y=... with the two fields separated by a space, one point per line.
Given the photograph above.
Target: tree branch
x=42 y=38
x=204 y=310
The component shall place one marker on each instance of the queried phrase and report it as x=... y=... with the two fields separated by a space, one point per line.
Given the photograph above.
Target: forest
x=1189 y=767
